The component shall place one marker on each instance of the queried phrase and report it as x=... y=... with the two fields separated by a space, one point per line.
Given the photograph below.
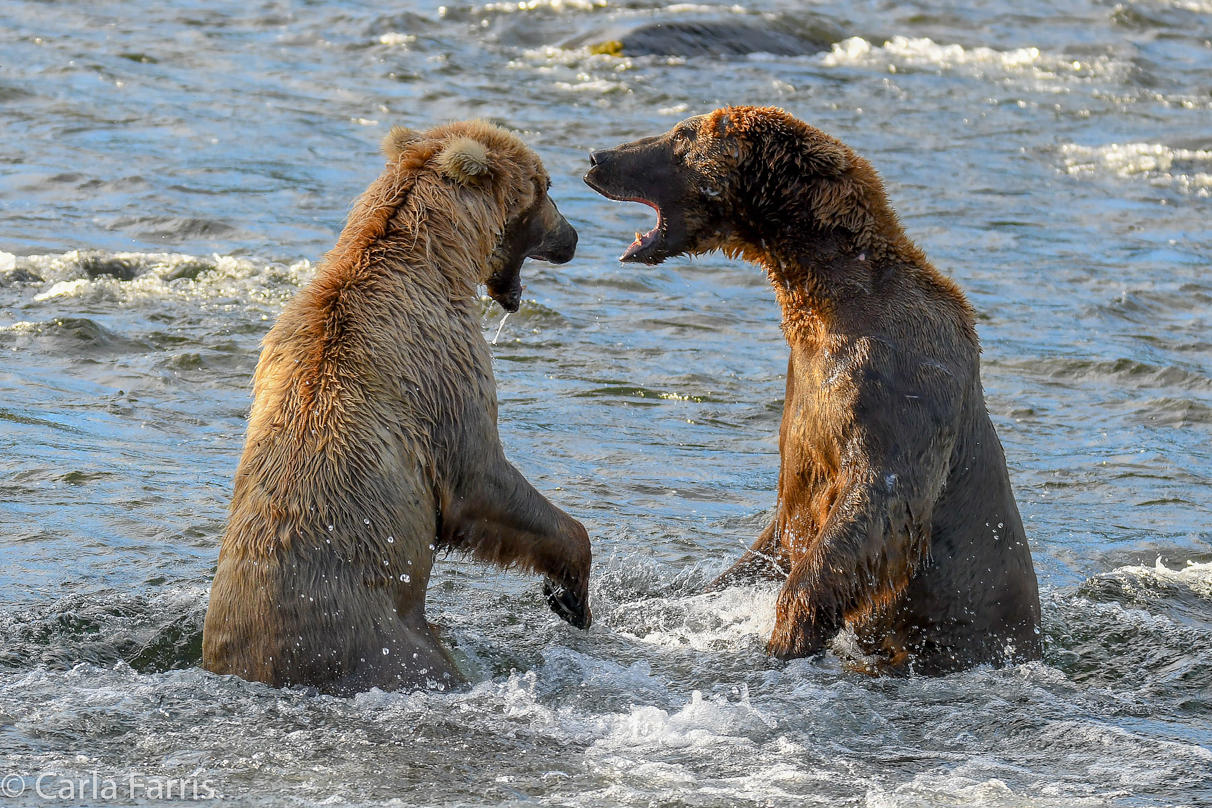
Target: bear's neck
x=827 y=277
x=829 y=286
x=819 y=276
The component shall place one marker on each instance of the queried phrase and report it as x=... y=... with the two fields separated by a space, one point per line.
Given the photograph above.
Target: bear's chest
x=820 y=422
x=824 y=387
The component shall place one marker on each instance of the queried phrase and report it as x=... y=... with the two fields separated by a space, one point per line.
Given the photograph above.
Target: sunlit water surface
x=171 y=172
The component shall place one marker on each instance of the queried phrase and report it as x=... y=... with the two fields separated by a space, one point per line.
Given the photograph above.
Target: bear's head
x=501 y=190
x=732 y=180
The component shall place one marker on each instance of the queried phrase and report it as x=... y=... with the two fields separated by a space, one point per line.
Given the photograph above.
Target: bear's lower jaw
x=511 y=301
x=505 y=287
x=643 y=242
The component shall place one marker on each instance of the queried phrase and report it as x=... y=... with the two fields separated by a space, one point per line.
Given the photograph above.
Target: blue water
x=170 y=174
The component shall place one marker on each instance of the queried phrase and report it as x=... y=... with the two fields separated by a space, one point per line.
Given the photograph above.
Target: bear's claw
x=570 y=606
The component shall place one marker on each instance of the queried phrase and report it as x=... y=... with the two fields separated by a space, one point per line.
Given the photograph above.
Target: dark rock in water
x=733 y=36
x=719 y=38
x=19 y=276
x=96 y=265
x=188 y=269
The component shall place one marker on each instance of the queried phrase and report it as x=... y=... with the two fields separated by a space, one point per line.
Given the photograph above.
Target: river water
x=170 y=173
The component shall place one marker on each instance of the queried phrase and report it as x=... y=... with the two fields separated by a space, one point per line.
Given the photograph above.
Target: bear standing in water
x=372 y=441
x=895 y=516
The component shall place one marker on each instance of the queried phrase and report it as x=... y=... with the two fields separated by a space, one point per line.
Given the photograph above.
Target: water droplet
x=366 y=521
x=405 y=578
x=391 y=539
x=999 y=524
x=330 y=528
x=386 y=651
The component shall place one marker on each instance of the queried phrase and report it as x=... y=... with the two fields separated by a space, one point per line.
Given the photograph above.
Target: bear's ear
x=723 y=124
x=464 y=160
x=397 y=140
x=826 y=159
x=726 y=132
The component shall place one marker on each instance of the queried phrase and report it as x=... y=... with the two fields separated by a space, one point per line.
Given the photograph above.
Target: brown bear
x=372 y=441
x=894 y=516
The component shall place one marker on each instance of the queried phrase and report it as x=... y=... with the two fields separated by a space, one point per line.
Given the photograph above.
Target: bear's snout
x=560 y=244
x=599 y=156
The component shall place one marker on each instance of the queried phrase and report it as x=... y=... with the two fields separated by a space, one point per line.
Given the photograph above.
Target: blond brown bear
x=372 y=442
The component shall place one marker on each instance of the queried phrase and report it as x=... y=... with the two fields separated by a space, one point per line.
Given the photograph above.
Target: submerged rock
x=19 y=275
x=99 y=264
x=719 y=38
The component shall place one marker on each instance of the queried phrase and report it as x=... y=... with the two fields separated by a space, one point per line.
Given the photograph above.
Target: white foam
x=576 y=69
x=691 y=8
x=930 y=790
x=925 y=53
x=650 y=750
x=734 y=619
x=222 y=281
x=561 y=6
x=551 y=56
x=591 y=85
x=552 y=5
x=1198 y=6
x=701 y=722
x=1160 y=165
x=397 y=39
x=63 y=289
x=7 y=261
x=1196 y=577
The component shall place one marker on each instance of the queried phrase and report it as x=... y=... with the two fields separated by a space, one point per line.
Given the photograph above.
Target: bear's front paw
x=571 y=605
x=793 y=643
x=796 y=631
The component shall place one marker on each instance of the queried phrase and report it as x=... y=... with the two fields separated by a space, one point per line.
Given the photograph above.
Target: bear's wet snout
x=604 y=168
x=559 y=246
x=599 y=156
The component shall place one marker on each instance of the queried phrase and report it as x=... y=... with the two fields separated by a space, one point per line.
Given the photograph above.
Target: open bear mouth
x=644 y=240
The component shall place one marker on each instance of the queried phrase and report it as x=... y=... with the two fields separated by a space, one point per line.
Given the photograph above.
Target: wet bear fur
x=372 y=441
x=894 y=516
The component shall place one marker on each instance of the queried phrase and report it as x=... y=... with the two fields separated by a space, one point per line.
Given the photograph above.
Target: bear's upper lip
x=642 y=240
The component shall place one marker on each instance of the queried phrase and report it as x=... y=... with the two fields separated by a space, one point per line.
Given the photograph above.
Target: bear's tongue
x=643 y=240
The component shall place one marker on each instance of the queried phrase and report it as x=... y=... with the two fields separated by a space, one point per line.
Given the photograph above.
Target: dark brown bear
x=895 y=516
x=372 y=442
